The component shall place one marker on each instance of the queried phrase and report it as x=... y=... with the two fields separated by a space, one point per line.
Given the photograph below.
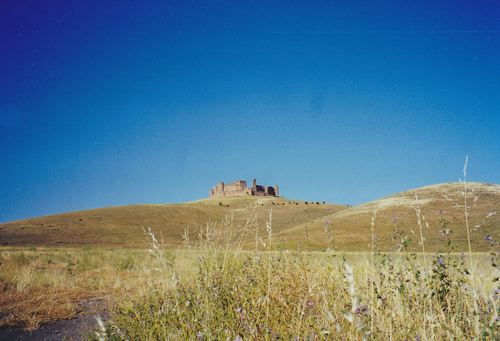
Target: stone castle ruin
x=240 y=188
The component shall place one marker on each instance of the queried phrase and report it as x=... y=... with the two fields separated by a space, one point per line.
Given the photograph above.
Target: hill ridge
x=348 y=227
x=121 y=226
x=440 y=203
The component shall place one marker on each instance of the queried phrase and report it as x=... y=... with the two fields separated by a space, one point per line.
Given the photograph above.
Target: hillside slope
x=440 y=205
x=314 y=226
x=121 y=226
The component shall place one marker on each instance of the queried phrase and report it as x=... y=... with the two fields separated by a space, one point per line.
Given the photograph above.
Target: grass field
x=212 y=292
x=43 y=286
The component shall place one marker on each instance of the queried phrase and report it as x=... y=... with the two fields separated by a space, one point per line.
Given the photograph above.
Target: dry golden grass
x=42 y=286
x=121 y=227
x=241 y=295
x=439 y=204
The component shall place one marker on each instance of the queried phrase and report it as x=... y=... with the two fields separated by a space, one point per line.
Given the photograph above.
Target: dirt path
x=75 y=330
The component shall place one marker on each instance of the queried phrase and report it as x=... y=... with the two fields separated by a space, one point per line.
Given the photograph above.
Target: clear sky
x=106 y=103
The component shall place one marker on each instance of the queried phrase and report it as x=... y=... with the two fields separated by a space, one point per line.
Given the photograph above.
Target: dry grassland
x=121 y=227
x=250 y=270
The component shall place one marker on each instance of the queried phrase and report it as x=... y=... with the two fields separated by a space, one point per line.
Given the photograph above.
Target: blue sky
x=107 y=103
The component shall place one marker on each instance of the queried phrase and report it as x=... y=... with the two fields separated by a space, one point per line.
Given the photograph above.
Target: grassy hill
x=440 y=205
x=311 y=225
x=121 y=226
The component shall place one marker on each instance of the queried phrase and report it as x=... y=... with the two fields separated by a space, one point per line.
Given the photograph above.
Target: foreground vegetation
x=311 y=296
x=275 y=294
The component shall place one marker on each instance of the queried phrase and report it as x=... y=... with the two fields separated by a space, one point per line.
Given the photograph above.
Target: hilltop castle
x=240 y=188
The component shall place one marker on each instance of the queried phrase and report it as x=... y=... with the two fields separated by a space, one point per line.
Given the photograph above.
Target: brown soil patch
x=75 y=329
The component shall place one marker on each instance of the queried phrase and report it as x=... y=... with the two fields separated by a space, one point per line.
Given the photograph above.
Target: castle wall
x=237 y=186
